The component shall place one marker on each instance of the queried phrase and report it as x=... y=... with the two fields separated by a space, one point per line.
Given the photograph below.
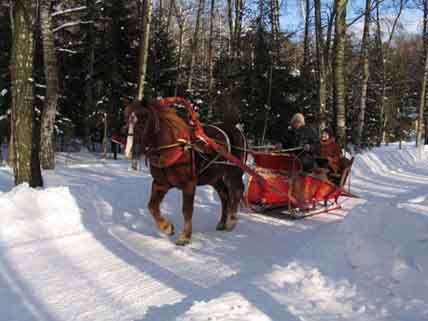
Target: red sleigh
x=286 y=186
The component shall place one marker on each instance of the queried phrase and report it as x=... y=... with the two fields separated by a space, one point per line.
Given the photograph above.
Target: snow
x=67 y=50
x=71 y=24
x=62 y=12
x=85 y=248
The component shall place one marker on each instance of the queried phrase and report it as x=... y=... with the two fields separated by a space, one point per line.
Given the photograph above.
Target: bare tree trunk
x=144 y=46
x=90 y=61
x=383 y=52
x=195 y=43
x=210 y=61
x=339 y=74
x=144 y=53
x=47 y=147
x=239 y=5
x=27 y=163
x=383 y=77
x=364 y=58
x=327 y=46
x=105 y=135
x=306 y=53
x=275 y=26
x=11 y=147
x=168 y=20
x=425 y=40
x=181 y=21
x=422 y=103
x=322 y=87
x=230 y=23
x=268 y=103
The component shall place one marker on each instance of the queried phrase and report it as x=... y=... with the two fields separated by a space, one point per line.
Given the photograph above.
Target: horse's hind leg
x=235 y=191
x=222 y=192
x=158 y=193
x=188 y=200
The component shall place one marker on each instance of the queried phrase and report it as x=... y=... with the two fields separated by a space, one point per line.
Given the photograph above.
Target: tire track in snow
x=76 y=278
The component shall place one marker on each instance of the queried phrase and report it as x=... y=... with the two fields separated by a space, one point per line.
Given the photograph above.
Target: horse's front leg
x=188 y=199
x=158 y=193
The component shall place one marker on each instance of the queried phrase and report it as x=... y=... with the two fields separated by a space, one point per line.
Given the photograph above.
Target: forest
x=67 y=65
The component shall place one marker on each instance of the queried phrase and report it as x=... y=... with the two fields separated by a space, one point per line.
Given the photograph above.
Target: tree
x=26 y=157
x=364 y=61
x=383 y=51
x=161 y=67
x=47 y=148
x=195 y=43
x=144 y=46
x=422 y=102
x=210 y=60
x=339 y=73
x=321 y=67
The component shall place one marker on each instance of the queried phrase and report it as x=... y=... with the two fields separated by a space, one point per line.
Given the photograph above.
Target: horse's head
x=141 y=121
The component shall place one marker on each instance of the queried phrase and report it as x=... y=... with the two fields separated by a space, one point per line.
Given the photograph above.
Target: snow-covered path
x=64 y=257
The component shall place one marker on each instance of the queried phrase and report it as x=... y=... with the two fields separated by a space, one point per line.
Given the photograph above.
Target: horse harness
x=169 y=155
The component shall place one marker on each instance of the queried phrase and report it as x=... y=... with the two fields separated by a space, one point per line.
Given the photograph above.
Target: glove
x=307 y=148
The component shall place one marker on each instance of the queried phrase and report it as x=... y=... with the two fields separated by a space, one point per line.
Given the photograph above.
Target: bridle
x=143 y=124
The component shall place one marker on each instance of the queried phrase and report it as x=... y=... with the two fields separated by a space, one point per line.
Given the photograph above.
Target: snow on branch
x=67 y=50
x=61 y=12
x=71 y=24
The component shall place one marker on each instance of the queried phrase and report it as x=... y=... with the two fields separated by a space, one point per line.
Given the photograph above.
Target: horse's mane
x=169 y=115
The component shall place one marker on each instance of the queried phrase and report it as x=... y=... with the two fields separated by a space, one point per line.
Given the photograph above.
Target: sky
x=292 y=15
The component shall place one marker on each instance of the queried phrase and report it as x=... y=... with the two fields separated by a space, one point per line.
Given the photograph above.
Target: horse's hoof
x=230 y=225
x=220 y=226
x=170 y=230
x=167 y=229
x=182 y=242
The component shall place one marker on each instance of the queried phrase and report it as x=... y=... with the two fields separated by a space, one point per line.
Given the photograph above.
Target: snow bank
x=29 y=214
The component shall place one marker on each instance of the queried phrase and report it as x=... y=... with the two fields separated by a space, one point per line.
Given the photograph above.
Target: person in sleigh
x=330 y=153
x=304 y=139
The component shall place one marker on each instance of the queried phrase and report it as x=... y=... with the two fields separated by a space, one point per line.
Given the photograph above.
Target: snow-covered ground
x=64 y=256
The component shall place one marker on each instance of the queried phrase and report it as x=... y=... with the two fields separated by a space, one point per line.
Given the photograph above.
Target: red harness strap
x=169 y=156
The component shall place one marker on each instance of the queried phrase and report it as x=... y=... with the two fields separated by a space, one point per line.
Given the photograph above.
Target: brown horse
x=177 y=159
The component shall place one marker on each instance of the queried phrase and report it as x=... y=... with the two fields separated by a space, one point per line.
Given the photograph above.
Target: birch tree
x=195 y=43
x=425 y=40
x=321 y=68
x=181 y=22
x=423 y=96
x=383 y=51
x=306 y=40
x=364 y=61
x=26 y=157
x=47 y=148
x=90 y=61
x=210 y=60
x=144 y=46
x=275 y=26
x=339 y=72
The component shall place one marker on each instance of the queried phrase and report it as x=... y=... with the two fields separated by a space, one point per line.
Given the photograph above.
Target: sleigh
x=296 y=193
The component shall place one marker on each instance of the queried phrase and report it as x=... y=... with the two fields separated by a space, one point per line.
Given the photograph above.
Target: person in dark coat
x=302 y=136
